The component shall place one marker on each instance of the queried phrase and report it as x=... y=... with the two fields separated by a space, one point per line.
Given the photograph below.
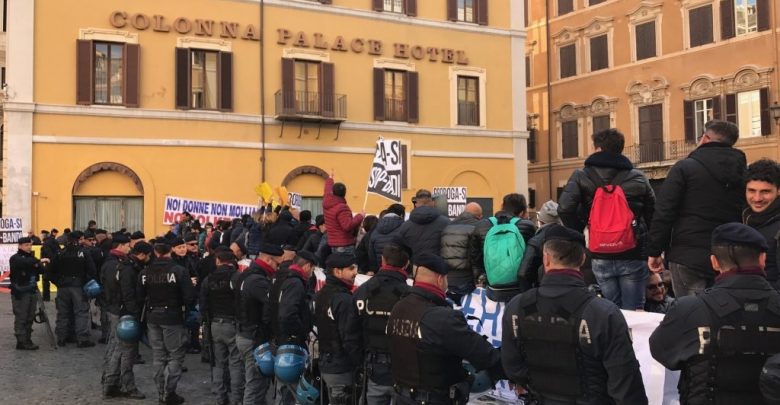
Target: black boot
x=173 y=399
x=111 y=391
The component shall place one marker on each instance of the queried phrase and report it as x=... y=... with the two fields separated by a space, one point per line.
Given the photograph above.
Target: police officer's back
x=73 y=268
x=24 y=273
x=429 y=340
x=721 y=338
x=288 y=311
x=564 y=343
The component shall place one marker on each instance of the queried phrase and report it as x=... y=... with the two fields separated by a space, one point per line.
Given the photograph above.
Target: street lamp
x=775 y=111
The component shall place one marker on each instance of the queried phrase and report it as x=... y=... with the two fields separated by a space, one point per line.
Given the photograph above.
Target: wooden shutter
x=762 y=9
x=569 y=140
x=326 y=1
x=288 y=86
x=531 y=198
x=731 y=108
x=379 y=94
x=766 y=124
x=645 y=40
x=131 y=71
x=378 y=5
x=716 y=113
x=700 y=26
x=600 y=123
x=452 y=10
x=599 y=53
x=183 y=90
x=411 y=8
x=532 y=145
x=327 y=90
x=727 y=29
x=568 y=61
x=404 y=166
x=84 y=72
x=412 y=97
x=527 y=71
x=594 y=2
x=525 y=12
x=565 y=6
x=226 y=81
x=482 y=12
x=690 y=121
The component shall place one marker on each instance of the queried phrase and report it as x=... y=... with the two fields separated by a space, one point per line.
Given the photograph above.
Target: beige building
x=657 y=70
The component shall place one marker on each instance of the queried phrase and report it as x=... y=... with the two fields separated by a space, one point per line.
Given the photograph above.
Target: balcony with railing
x=310 y=106
x=672 y=151
x=468 y=113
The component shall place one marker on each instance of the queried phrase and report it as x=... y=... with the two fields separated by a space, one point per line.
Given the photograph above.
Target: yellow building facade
x=111 y=106
x=656 y=70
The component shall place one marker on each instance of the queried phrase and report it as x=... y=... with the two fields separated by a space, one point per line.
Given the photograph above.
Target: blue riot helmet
x=92 y=289
x=128 y=329
x=290 y=363
x=305 y=393
x=264 y=358
x=480 y=381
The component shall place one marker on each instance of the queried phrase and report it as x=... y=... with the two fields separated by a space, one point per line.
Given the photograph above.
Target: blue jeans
x=622 y=281
x=344 y=249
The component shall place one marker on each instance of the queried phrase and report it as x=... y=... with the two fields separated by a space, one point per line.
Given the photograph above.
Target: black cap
x=241 y=246
x=431 y=262
x=422 y=193
x=769 y=381
x=190 y=237
x=306 y=255
x=137 y=235
x=561 y=232
x=120 y=238
x=143 y=247
x=176 y=242
x=736 y=234
x=271 y=249
x=24 y=240
x=340 y=260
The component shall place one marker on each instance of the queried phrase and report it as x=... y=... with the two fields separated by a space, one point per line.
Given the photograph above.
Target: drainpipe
x=549 y=97
x=262 y=91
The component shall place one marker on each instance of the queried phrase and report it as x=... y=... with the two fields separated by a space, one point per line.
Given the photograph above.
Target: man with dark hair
x=455 y=250
x=700 y=192
x=621 y=272
x=313 y=240
x=762 y=187
x=562 y=341
x=342 y=226
x=422 y=232
x=373 y=301
x=722 y=337
x=384 y=234
x=304 y=228
x=91 y=226
x=514 y=208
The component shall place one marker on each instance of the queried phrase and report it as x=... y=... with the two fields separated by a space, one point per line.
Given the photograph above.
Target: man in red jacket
x=341 y=225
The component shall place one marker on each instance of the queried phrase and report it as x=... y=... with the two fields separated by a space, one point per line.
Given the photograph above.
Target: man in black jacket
x=622 y=276
x=73 y=268
x=422 y=232
x=384 y=234
x=455 y=247
x=24 y=273
x=702 y=191
x=763 y=213
x=514 y=205
x=531 y=268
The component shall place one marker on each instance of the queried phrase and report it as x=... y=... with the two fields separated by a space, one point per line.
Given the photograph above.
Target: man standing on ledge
x=342 y=226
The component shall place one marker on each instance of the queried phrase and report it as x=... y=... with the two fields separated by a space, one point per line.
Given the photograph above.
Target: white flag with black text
x=386 y=171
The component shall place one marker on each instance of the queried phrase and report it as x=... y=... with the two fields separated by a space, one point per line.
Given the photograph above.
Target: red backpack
x=610 y=228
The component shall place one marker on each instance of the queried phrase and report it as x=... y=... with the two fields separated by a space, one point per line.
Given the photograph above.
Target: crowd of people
x=702 y=252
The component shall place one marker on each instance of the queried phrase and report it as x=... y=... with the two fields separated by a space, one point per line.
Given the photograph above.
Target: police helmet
x=290 y=362
x=92 y=289
x=306 y=393
x=128 y=329
x=264 y=358
x=480 y=381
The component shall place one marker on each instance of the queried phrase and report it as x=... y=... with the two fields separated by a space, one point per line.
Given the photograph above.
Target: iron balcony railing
x=291 y=104
x=679 y=149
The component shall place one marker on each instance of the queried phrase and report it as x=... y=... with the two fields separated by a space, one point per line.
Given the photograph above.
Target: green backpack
x=502 y=252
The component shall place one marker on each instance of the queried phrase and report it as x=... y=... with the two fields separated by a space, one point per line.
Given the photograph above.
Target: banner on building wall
x=386 y=170
x=203 y=211
x=456 y=199
x=295 y=200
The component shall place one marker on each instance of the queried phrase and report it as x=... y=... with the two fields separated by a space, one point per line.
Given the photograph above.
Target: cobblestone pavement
x=72 y=376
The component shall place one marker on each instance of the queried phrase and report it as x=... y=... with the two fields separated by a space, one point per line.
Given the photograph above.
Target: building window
x=594 y=2
x=645 y=40
x=470 y=11
x=570 y=140
x=204 y=79
x=746 y=16
x=396 y=95
x=599 y=53
x=702 y=113
x=600 y=123
x=741 y=17
x=532 y=145
x=696 y=113
x=531 y=198
x=466 y=11
x=700 y=26
x=568 y=60
x=108 y=73
x=307 y=87
x=651 y=133
x=468 y=100
x=565 y=6
x=395 y=6
x=528 y=71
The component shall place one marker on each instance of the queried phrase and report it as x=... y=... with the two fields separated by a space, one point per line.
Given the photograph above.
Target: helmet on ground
x=128 y=329
x=92 y=289
x=290 y=363
x=264 y=358
x=480 y=381
x=305 y=393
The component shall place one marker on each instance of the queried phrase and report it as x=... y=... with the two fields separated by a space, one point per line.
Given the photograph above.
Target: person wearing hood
x=313 y=240
x=455 y=240
x=621 y=275
x=384 y=234
x=342 y=226
x=422 y=232
x=531 y=268
x=763 y=212
x=702 y=191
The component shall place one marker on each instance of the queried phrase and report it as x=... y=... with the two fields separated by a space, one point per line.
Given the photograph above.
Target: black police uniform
x=374 y=300
x=567 y=345
x=288 y=309
x=73 y=268
x=167 y=290
x=721 y=338
x=218 y=306
x=428 y=342
x=24 y=272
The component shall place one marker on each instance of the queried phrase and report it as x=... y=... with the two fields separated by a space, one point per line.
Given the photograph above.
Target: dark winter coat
x=455 y=240
x=768 y=223
x=383 y=233
x=341 y=225
x=283 y=231
x=702 y=191
x=255 y=237
x=422 y=232
x=577 y=198
x=361 y=253
x=531 y=268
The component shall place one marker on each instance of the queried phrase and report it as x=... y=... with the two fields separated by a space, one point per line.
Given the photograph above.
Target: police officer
x=289 y=312
x=334 y=315
x=563 y=343
x=251 y=289
x=217 y=304
x=167 y=290
x=140 y=255
x=119 y=298
x=429 y=340
x=73 y=268
x=24 y=273
x=721 y=338
x=374 y=300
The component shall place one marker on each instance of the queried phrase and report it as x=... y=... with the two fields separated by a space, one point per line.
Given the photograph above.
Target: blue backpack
x=502 y=252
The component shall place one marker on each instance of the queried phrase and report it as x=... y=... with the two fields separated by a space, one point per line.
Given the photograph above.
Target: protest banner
x=10 y=229
x=295 y=200
x=386 y=170
x=203 y=211
x=456 y=199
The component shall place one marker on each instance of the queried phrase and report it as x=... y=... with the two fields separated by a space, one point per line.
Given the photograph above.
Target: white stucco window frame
x=600 y=106
x=647 y=11
x=640 y=94
x=470 y=71
x=598 y=27
x=206 y=44
x=106 y=35
x=566 y=37
x=311 y=55
x=567 y=113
